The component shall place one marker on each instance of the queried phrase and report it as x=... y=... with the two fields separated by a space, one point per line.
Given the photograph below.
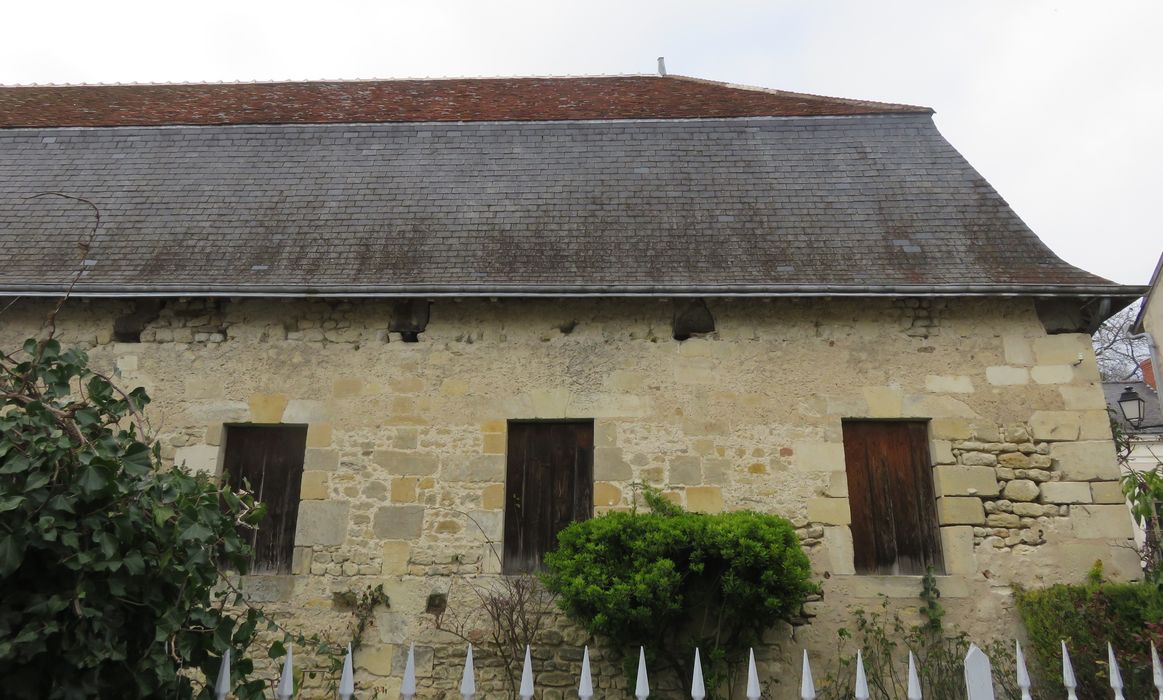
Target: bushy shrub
x=1087 y=616
x=670 y=580
x=108 y=561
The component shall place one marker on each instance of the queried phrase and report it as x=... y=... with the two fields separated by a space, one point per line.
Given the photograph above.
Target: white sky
x=1059 y=104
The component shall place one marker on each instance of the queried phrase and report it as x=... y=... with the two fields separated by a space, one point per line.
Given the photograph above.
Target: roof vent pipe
x=662 y=66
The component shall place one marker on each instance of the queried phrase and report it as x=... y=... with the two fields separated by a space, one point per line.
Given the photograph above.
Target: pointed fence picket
x=978 y=677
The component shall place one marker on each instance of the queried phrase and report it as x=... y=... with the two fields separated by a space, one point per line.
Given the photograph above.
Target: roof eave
x=1112 y=291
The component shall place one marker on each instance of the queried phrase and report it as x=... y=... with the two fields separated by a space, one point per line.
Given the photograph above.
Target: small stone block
x=398 y=522
x=493 y=443
x=322 y=523
x=818 y=456
x=705 y=499
x=952 y=510
x=493 y=497
x=1105 y=522
x=1107 y=492
x=396 y=555
x=1086 y=461
x=409 y=463
x=313 y=486
x=319 y=435
x=1066 y=492
x=606 y=494
x=952 y=480
x=957 y=548
x=829 y=511
x=841 y=557
x=1007 y=376
x=267 y=408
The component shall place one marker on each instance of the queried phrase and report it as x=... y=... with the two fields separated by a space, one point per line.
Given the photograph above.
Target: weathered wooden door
x=890 y=490
x=549 y=484
x=270 y=459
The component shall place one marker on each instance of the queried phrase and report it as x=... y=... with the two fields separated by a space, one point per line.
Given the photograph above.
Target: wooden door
x=270 y=459
x=549 y=484
x=890 y=490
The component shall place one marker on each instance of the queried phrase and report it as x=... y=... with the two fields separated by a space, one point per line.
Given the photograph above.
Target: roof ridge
x=318 y=81
x=809 y=95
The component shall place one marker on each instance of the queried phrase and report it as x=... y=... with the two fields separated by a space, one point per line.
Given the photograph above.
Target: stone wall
x=405 y=465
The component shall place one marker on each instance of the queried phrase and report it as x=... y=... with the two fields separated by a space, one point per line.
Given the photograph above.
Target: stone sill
x=875 y=586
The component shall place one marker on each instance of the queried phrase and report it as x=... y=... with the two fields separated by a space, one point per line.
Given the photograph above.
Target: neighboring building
x=1150 y=319
x=435 y=321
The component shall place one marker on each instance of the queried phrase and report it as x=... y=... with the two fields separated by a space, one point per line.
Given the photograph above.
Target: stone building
x=437 y=320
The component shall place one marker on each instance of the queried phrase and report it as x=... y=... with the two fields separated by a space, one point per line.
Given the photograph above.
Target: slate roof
x=770 y=205
x=377 y=101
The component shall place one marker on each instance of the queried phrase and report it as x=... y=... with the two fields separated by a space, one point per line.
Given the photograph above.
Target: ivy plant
x=670 y=581
x=110 y=563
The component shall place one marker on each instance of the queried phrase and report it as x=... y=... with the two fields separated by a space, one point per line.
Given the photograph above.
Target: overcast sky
x=1058 y=104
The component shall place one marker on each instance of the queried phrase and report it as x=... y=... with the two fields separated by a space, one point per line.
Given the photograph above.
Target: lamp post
x=1131 y=405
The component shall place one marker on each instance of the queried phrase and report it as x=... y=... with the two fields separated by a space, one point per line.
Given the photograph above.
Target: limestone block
x=302 y=411
x=1066 y=492
x=1052 y=374
x=606 y=494
x=301 y=561
x=1086 y=461
x=941 y=452
x=319 y=435
x=423 y=657
x=978 y=459
x=830 y=511
x=936 y=406
x=957 y=549
x=609 y=465
x=322 y=523
x=127 y=363
x=1013 y=460
x=1022 y=490
x=493 y=497
x=347 y=387
x=883 y=401
x=321 y=459
x=199 y=459
x=1029 y=510
x=1106 y=522
x=1107 y=492
x=398 y=522
x=1007 y=376
x=267 y=588
x=473 y=468
x=877 y=587
x=686 y=470
x=704 y=499
x=1095 y=425
x=493 y=443
x=314 y=486
x=837 y=485
x=376 y=659
x=1083 y=398
x=454 y=386
x=410 y=463
x=267 y=408
x=1055 y=425
x=949 y=384
x=214 y=433
x=404 y=489
x=488 y=524
x=396 y=554
x=1018 y=350
x=841 y=555
x=1003 y=520
x=818 y=456
x=950 y=429
x=953 y=510
x=965 y=481
x=1062 y=349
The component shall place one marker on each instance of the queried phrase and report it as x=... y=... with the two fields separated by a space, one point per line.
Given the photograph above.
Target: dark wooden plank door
x=270 y=459
x=890 y=490
x=549 y=484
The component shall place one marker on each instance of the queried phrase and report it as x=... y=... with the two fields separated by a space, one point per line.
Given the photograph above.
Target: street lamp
x=1132 y=405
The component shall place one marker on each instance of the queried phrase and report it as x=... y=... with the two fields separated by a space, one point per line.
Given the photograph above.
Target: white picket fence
x=978 y=677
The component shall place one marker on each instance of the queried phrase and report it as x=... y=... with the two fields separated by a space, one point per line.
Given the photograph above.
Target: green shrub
x=670 y=581
x=1128 y=615
x=108 y=561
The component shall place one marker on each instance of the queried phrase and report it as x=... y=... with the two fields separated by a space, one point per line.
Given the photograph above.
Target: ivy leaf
x=91 y=480
x=8 y=503
x=11 y=554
